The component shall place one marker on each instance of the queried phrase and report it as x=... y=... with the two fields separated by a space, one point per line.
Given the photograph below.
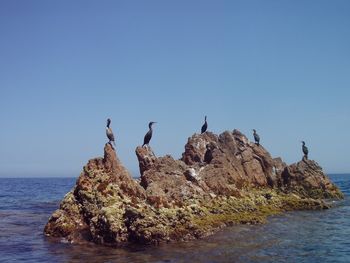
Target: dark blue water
x=311 y=236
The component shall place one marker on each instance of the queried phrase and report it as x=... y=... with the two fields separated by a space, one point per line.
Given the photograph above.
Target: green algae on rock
x=184 y=199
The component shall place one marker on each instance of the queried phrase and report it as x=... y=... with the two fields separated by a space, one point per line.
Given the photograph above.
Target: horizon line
x=54 y=177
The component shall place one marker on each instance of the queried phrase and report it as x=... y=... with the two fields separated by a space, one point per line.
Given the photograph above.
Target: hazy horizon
x=280 y=67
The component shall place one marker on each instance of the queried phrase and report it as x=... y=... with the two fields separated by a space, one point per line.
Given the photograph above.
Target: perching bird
x=256 y=137
x=305 y=150
x=208 y=156
x=148 y=135
x=205 y=125
x=109 y=132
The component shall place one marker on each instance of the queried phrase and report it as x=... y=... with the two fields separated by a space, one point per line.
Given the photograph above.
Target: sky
x=281 y=67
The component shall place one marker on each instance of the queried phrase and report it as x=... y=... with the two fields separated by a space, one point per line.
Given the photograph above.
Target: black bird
x=205 y=125
x=256 y=137
x=109 y=132
x=148 y=135
x=305 y=150
x=208 y=156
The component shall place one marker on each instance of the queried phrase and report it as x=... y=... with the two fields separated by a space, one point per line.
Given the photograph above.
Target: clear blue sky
x=281 y=67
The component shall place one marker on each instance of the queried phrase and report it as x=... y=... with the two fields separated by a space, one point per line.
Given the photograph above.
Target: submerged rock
x=220 y=180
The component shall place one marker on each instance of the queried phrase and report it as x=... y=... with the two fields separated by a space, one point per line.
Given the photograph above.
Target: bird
x=109 y=132
x=205 y=125
x=148 y=135
x=305 y=150
x=208 y=156
x=256 y=137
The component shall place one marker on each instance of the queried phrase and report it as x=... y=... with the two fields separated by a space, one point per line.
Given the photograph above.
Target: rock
x=146 y=158
x=93 y=210
x=307 y=179
x=220 y=180
x=192 y=175
x=229 y=162
x=196 y=147
x=166 y=180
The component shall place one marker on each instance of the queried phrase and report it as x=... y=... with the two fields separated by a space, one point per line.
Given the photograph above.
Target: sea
x=300 y=236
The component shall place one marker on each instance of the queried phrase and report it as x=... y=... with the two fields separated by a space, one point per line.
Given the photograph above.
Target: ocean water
x=302 y=236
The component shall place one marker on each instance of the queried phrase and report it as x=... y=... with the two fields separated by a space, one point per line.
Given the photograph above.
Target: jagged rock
x=232 y=162
x=196 y=147
x=307 y=179
x=94 y=209
x=165 y=180
x=146 y=158
x=220 y=180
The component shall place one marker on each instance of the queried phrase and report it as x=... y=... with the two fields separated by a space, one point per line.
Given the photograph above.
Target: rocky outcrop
x=220 y=180
x=165 y=181
x=95 y=208
x=235 y=162
x=307 y=179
